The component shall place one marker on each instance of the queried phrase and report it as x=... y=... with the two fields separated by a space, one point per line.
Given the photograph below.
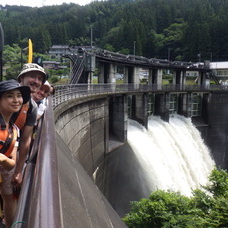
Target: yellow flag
x=30 y=51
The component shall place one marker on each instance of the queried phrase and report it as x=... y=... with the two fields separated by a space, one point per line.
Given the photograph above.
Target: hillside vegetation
x=188 y=30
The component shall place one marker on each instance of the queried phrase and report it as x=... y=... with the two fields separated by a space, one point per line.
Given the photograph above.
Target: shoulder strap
x=8 y=146
x=20 y=119
x=2 y=123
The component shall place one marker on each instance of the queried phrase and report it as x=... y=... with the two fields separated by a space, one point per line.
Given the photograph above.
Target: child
x=12 y=96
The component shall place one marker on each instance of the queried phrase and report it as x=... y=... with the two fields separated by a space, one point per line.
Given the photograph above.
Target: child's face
x=11 y=101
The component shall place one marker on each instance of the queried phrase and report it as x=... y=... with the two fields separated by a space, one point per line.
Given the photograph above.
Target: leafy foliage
x=182 y=28
x=171 y=209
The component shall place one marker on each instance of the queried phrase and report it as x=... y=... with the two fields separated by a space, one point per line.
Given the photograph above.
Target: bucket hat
x=13 y=84
x=28 y=67
x=47 y=84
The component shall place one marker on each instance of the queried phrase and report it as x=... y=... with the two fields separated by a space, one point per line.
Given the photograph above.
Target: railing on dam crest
x=71 y=91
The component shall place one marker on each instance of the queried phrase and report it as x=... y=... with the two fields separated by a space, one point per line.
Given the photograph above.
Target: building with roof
x=56 y=51
x=53 y=65
x=220 y=71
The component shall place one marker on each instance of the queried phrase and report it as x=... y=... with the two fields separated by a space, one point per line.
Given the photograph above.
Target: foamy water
x=172 y=155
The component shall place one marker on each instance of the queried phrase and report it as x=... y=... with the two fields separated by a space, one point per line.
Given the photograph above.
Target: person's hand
x=2 y=158
x=16 y=181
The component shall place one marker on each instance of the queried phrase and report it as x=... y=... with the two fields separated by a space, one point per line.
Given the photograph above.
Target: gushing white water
x=172 y=155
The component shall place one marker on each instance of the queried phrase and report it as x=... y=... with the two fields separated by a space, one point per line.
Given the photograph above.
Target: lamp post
x=134 y=49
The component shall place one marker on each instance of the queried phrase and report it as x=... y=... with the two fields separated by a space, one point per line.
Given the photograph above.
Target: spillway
x=164 y=156
x=172 y=155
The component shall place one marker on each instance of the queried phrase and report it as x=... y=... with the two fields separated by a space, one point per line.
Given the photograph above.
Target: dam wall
x=214 y=128
x=82 y=135
x=86 y=126
x=83 y=126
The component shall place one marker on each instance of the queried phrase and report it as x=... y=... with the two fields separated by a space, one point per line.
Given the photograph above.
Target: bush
x=207 y=208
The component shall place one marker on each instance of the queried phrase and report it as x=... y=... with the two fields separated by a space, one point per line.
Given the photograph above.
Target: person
x=52 y=92
x=12 y=96
x=33 y=76
x=40 y=97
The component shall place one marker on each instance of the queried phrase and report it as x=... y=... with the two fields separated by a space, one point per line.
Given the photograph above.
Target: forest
x=186 y=30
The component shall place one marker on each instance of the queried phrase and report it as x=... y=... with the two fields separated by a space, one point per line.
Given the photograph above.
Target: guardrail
x=39 y=202
x=71 y=91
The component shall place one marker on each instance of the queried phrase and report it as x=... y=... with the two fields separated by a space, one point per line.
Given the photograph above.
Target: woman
x=40 y=98
x=12 y=96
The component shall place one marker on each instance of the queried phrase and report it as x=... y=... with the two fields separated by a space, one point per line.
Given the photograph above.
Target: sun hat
x=47 y=84
x=13 y=84
x=28 y=67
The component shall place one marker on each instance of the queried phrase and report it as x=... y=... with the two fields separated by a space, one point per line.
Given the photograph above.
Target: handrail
x=39 y=201
x=71 y=91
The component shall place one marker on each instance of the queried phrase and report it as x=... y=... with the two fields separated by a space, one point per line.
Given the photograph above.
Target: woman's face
x=42 y=93
x=11 y=101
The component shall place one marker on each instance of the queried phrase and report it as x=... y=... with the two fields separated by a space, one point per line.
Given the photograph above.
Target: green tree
x=206 y=208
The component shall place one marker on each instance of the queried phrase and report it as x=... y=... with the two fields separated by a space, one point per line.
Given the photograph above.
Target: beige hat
x=28 y=67
x=46 y=83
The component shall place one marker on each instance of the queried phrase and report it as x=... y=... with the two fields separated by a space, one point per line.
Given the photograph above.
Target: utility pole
x=168 y=71
x=91 y=36
x=168 y=54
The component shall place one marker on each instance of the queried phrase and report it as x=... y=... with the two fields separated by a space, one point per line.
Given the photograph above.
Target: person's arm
x=24 y=147
x=8 y=162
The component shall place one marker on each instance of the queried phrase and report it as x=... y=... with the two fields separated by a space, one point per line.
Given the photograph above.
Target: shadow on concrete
x=125 y=180
x=83 y=205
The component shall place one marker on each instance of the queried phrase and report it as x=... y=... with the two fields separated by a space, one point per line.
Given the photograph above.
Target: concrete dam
x=92 y=129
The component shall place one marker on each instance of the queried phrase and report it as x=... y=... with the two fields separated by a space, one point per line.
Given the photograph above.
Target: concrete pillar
x=126 y=72
x=159 y=76
x=205 y=79
x=152 y=78
x=178 y=78
x=100 y=72
x=112 y=73
x=136 y=75
x=131 y=74
x=162 y=106
x=183 y=77
x=185 y=104
x=140 y=109
x=118 y=117
x=200 y=79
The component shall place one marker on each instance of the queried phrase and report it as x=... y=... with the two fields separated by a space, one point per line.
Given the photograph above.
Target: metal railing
x=72 y=91
x=39 y=201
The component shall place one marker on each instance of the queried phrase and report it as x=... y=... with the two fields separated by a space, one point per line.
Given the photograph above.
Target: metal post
x=91 y=37
x=1 y=50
